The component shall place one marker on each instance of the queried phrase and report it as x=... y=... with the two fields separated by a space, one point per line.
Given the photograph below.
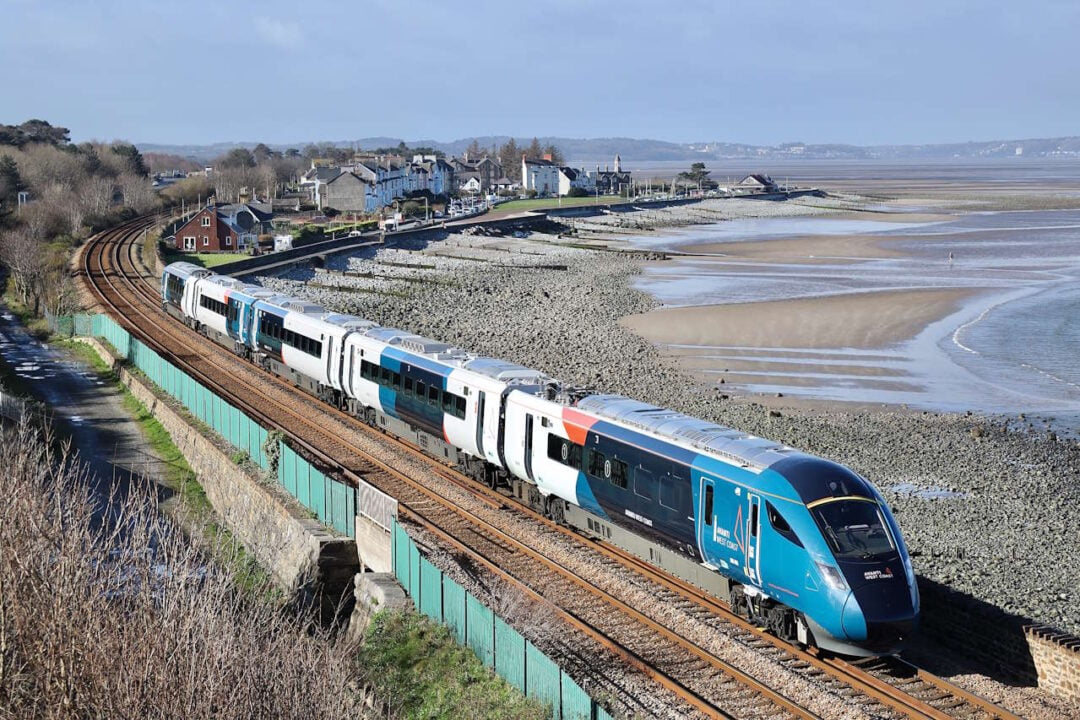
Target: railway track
x=336 y=441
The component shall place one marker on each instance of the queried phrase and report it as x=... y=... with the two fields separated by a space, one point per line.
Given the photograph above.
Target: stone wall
x=304 y=556
x=1057 y=659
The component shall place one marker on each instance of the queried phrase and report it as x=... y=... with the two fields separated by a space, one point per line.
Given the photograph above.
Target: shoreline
x=567 y=322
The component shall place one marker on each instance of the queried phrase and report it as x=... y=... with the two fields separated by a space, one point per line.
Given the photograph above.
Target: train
x=796 y=543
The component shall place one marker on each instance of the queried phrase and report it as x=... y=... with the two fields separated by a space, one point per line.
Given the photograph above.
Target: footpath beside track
x=478 y=523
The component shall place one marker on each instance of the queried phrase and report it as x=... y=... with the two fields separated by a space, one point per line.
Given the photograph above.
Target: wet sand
x=869 y=320
x=803 y=249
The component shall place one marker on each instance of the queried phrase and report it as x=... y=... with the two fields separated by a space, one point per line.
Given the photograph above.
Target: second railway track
x=483 y=527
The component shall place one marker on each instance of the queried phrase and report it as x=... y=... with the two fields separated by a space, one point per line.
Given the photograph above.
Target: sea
x=1012 y=347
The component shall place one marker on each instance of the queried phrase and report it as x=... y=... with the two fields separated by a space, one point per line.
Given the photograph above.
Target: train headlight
x=832 y=577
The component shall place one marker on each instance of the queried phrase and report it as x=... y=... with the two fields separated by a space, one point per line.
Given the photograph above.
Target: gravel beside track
x=1004 y=532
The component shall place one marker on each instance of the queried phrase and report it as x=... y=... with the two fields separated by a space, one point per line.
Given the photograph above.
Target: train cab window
x=408 y=385
x=597 y=460
x=853 y=528
x=644 y=483
x=448 y=403
x=433 y=395
x=459 y=407
x=620 y=474
x=780 y=525
x=421 y=390
x=708 y=504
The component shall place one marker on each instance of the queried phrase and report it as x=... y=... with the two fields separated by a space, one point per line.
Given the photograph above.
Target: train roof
x=731 y=445
x=186 y=270
x=505 y=371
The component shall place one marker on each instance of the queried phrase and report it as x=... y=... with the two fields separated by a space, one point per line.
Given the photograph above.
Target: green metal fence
x=498 y=645
x=333 y=502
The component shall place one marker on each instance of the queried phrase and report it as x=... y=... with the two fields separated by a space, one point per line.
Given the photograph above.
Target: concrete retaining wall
x=303 y=556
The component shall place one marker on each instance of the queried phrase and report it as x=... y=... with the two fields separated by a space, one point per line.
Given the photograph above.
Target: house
x=570 y=178
x=540 y=175
x=611 y=181
x=487 y=170
x=757 y=182
x=502 y=185
x=225 y=228
x=471 y=183
x=316 y=178
x=348 y=192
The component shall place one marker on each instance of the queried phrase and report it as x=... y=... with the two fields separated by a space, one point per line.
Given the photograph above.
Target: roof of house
x=757 y=179
x=570 y=173
x=537 y=161
x=504 y=181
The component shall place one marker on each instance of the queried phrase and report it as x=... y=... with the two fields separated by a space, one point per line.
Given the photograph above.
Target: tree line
x=73 y=191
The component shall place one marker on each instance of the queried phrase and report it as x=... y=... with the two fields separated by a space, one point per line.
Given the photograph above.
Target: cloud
x=281 y=33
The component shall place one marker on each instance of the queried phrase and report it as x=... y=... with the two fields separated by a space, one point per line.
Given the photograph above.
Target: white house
x=570 y=178
x=540 y=175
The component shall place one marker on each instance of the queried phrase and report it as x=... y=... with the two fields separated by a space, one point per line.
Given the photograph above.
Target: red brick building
x=225 y=228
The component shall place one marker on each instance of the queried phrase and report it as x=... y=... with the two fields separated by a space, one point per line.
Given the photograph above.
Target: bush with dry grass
x=106 y=610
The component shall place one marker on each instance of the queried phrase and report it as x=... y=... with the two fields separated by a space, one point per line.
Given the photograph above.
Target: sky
x=761 y=72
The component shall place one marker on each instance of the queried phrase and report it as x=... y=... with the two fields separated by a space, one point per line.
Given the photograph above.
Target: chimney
x=547 y=156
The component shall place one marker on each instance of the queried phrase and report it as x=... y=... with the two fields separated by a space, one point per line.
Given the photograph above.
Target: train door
x=332 y=378
x=528 y=446
x=753 y=538
x=706 y=515
x=481 y=404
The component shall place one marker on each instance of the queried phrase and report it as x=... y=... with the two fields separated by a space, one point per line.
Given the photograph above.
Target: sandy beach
x=811 y=249
x=869 y=320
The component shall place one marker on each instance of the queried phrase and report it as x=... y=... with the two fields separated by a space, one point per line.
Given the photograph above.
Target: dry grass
x=106 y=610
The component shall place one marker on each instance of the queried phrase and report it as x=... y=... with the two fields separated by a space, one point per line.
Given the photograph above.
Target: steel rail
x=109 y=268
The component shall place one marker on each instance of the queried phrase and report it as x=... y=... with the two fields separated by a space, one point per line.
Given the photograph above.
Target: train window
x=448 y=403
x=459 y=403
x=597 y=461
x=397 y=380
x=780 y=525
x=644 y=483
x=708 y=504
x=566 y=452
x=384 y=375
x=408 y=385
x=421 y=390
x=215 y=306
x=433 y=395
x=620 y=473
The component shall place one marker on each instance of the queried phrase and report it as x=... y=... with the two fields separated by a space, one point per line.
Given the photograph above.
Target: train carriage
x=177 y=288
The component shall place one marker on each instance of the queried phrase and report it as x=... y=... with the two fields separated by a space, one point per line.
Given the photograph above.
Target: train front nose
x=879 y=615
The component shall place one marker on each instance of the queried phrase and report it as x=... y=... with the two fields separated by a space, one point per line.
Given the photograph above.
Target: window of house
x=205 y=241
x=206 y=221
x=189 y=242
x=228 y=241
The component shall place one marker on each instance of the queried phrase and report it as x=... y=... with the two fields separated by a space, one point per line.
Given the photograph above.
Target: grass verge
x=549 y=203
x=193 y=508
x=206 y=260
x=427 y=674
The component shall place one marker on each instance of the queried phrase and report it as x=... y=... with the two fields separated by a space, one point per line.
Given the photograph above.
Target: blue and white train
x=797 y=543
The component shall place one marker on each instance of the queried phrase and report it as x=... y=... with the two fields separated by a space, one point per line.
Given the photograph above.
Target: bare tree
x=107 y=610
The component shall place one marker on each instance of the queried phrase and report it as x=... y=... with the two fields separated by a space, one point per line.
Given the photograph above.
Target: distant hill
x=602 y=150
